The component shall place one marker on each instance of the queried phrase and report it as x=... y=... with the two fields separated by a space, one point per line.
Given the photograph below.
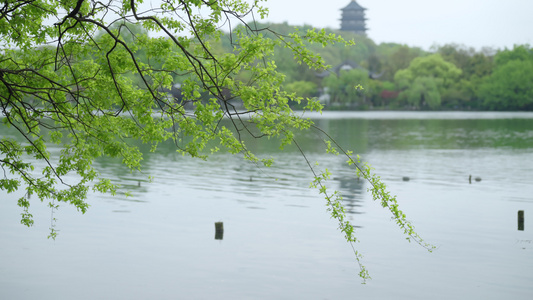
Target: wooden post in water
x=219 y=230
x=521 y=220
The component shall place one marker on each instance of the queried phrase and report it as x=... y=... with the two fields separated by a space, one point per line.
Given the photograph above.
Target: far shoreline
x=399 y=114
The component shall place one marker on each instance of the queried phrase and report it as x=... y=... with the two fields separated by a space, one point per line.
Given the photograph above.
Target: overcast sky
x=422 y=23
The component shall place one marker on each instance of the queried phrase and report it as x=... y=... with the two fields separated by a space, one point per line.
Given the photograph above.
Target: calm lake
x=279 y=241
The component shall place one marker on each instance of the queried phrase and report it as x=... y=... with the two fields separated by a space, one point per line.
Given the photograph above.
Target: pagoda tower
x=353 y=18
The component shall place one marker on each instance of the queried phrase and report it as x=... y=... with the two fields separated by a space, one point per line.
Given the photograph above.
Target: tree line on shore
x=387 y=76
x=396 y=76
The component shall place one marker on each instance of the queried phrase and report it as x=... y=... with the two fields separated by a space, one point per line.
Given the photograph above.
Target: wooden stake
x=521 y=220
x=219 y=230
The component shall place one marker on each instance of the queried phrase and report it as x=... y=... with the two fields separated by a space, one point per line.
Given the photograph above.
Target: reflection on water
x=352 y=190
x=158 y=242
x=372 y=134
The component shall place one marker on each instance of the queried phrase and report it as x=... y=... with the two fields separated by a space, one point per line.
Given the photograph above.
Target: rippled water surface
x=278 y=241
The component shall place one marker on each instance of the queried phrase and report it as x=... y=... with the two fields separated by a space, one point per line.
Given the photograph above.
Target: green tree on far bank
x=510 y=86
x=348 y=88
x=425 y=80
x=302 y=88
x=474 y=66
x=395 y=57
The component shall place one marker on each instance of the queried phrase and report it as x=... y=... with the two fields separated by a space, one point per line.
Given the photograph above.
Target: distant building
x=353 y=18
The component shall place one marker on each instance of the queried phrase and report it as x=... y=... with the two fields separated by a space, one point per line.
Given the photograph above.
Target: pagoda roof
x=353 y=6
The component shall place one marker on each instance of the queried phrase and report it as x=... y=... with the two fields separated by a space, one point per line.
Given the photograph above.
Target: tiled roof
x=353 y=6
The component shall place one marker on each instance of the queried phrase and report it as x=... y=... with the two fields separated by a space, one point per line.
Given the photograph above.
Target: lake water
x=279 y=241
